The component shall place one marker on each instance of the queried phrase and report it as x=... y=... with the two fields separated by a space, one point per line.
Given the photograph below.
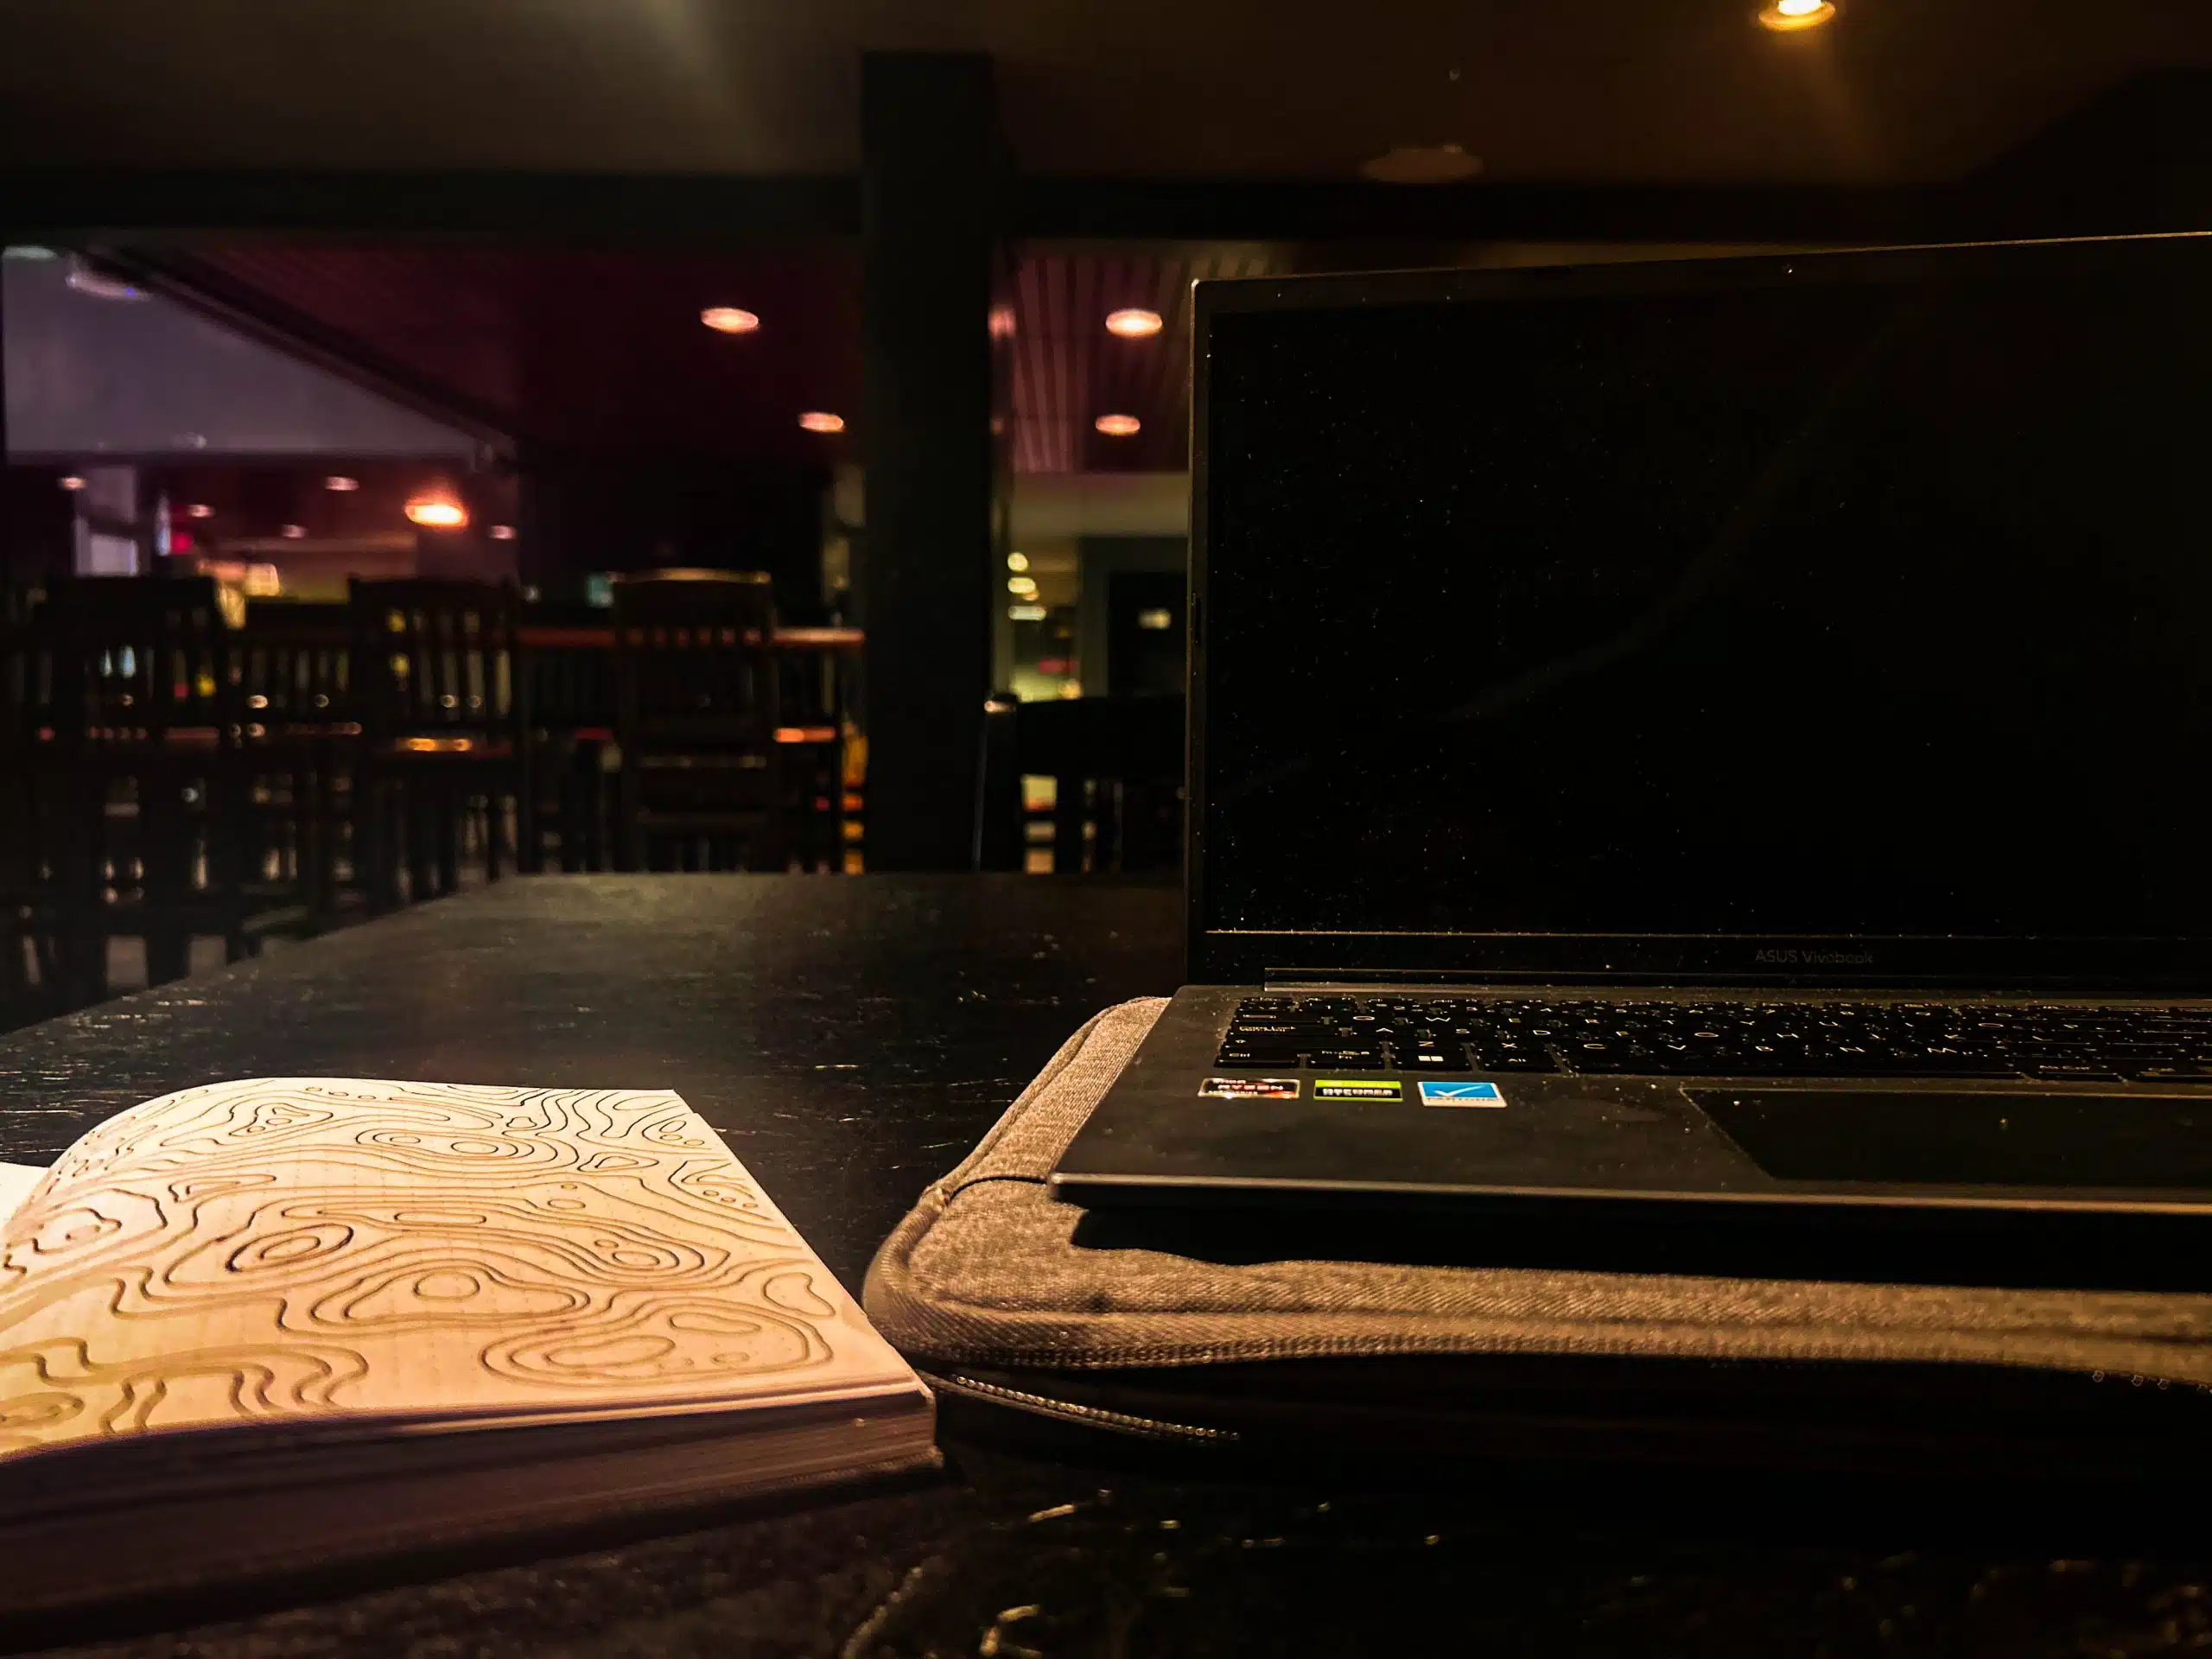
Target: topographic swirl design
x=293 y=1248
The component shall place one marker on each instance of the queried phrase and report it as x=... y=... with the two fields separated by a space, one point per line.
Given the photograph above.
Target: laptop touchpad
x=1925 y=1137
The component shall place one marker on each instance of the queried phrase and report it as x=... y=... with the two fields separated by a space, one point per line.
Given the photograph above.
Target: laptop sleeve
x=1248 y=1331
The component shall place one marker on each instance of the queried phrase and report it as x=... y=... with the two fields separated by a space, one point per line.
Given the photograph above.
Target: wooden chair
x=442 y=710
x=571 y=738
x=138 y=770
x=26 y=935
x=1117 y=765
x=814 y=708
x=303 y=749
x=698 y=708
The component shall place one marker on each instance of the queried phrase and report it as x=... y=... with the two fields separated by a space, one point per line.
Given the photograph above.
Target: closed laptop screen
x=1833 y=605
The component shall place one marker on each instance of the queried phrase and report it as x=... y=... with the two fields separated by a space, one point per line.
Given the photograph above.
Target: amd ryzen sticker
x=1459 y=1093
x=1358 y=1089
x=1249 y=1089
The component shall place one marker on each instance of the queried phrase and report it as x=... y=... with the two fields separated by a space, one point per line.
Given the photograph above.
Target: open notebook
x=262 y=1326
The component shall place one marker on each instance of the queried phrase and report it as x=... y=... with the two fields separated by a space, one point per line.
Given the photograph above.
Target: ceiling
x=1611 y=91
x=1066 y=370
x=603 y=352
x=580 y=349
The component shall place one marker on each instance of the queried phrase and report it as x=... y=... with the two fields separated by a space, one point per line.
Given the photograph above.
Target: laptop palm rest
x=2129 y=1143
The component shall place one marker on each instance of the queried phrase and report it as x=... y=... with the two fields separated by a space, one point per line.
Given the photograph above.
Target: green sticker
x=1358 y=1089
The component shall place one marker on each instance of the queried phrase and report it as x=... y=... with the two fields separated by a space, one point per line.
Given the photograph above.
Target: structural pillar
x=931 y=171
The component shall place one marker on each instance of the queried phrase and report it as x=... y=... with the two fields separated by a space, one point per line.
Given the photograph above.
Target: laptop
x=1709 y=733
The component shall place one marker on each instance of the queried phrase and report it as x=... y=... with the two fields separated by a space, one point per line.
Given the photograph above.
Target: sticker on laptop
x=1459 y=1093
x=1358 y=1089
x=1249 y=1089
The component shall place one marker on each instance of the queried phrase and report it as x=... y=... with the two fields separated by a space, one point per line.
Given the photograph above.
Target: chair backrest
x=434 y=657
x=571 y=674
x=137 y=659
x=296 y=663
x=694 y=661
x=23 y=676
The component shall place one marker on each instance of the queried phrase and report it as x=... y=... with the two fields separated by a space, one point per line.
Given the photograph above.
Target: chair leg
x=1067 y=825
x=448 y=815
x=415 y=816
x=630 y=845
x=165 y=855
x=495 y=829
x=323 y=823
x=529 y=843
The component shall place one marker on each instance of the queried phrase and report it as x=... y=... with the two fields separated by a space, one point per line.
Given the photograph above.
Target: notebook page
x=292 y=1248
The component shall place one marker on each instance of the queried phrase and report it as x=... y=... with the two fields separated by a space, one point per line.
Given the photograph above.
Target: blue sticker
x=1459 y=1093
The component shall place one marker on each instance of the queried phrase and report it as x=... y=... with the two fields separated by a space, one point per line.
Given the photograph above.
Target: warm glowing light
x=503 y=533
x=293 y=532
x=1000 y=322
x=1786 y=14
x=437 y=512
x=1025 y=613
x=340 y=483
x=71 y=482
x=728 y=320
x=1119 y=426
x=1133 y=322
x=100 y=285
x=821 y=420
x=1422 y=164
x=199 y=509
x=1022 y=586
x=1017 y=563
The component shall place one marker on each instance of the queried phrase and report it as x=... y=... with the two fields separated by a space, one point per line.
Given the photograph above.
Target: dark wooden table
x=851 y=1038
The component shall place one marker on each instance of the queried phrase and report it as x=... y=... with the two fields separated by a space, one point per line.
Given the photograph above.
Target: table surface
x=852 y=1037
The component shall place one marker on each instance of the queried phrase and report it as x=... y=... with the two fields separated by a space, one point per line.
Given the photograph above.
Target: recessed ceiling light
x=728 y=320
x=1133 y=322
x=293 y=532
x=1022 y=586
x=1785 y=15
x=71 y=482
x=821 y=420
x=503 y=533
x=437 y=512
x=1119 y=426
x=1017 y=563
x=199 y=509
x=1422 y=164
x=340 y=483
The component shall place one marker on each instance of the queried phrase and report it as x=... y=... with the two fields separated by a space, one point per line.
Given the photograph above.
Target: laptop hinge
x=1287 y=979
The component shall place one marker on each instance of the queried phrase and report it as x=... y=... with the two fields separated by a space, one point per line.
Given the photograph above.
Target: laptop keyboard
x=1718 y=1039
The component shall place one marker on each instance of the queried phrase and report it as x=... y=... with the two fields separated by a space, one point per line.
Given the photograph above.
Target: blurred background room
x=450 y=441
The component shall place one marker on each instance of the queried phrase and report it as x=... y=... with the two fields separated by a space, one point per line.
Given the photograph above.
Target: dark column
x=930 y=164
